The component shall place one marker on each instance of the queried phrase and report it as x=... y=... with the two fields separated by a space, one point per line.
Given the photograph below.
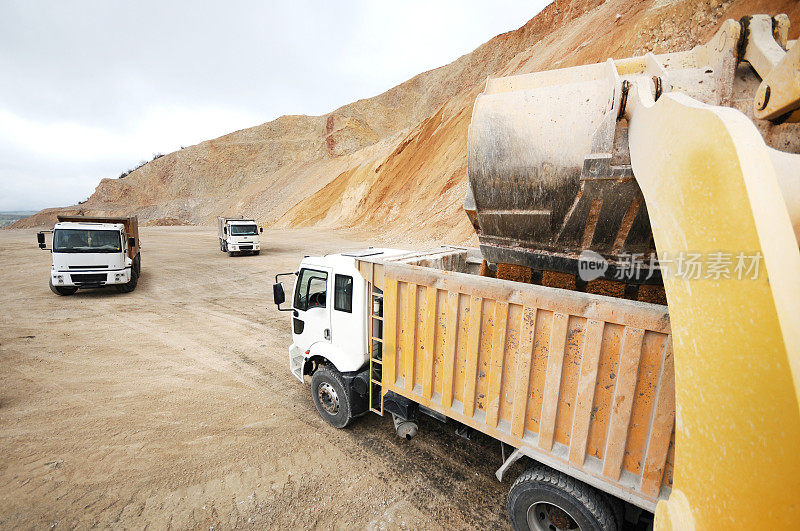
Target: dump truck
x=630 y=324
x=94 y=252
x=238 y=235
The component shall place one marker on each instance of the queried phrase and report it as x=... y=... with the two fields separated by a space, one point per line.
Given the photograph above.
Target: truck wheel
x=256 y=253
x=131 y=284
x=137 y=265
x=230 y=253
x=543 y=499
x=62 y=290
x=331 y=397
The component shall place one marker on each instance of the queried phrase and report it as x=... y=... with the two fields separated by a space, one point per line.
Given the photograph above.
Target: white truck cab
x=329 y=325
x=93 y=253
x=238 y=235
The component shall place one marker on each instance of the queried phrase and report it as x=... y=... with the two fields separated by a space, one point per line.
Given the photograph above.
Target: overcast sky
x=89 y=89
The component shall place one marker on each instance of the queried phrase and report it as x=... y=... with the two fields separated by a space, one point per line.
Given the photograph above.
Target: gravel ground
x=173 y=406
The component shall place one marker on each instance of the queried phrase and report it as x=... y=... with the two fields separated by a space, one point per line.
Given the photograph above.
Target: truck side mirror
x=131 y=242
x=279 y=296
x=261 y=230
x=40 y=239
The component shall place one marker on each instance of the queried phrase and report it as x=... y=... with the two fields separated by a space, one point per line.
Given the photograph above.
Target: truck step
x=296 y=361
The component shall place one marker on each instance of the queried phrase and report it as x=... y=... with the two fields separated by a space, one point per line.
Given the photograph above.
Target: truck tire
x=131 y=284
x=256 y=253
x=230 y=253
x=137 y=264
x=62 y=290
x=331 y=397
x=544 y=499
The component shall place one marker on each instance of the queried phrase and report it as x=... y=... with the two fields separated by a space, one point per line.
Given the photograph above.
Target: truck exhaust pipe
x=406 y=429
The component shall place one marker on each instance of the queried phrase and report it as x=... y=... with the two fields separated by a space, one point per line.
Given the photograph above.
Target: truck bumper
x=90 y=279
x=244 y=247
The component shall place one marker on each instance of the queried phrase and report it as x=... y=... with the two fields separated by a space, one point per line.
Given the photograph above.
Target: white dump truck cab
x=238 y=235
x=93 y=254
x=329 y=330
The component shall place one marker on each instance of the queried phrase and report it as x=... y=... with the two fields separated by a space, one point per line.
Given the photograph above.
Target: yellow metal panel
x=623 y=401
x=448 y=375
x=710 y=187
x=645 y=395
x=585 y=394
x=541 y=346
x=461 y=348
x=389 y=375
x=552 y=381
x=570 y=372
x=496 y=363
x=428 y=341
x=604 y=389
x=507 y=381
x=409 y=333
x=471 y=371
x=484 y=353
x=522 y=375
x=663 y=423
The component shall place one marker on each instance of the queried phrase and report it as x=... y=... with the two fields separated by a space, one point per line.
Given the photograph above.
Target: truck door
x=311 y=314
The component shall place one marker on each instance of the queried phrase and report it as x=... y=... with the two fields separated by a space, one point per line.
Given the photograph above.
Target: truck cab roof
x=88 y=225
x=347 y=259
x=241 y=221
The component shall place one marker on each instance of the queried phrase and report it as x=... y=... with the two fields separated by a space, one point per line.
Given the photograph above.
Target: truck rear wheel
x=543 y=499
x=330 y=396
x=62 y=290
x=131 y=284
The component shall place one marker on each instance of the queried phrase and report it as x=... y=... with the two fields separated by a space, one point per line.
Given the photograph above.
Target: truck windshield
x=243 y=230
x=86 y=241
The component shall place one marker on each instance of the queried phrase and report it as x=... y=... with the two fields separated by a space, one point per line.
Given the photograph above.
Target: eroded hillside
x=396 y=163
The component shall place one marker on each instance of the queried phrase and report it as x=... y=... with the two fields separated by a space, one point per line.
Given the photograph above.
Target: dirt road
x=173 y=406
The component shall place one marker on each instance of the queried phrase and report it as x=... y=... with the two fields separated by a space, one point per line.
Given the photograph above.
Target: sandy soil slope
x=396 y=162
x=173 y=406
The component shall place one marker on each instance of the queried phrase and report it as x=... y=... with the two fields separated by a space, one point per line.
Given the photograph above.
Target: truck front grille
x=88 y=278
x=245 y=247
x=89 y=267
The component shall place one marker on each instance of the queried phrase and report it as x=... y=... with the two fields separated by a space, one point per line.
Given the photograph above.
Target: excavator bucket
x=665 y=160
x=550 y=176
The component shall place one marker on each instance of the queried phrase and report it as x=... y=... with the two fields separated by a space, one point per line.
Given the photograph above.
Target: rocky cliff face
x=396 y=163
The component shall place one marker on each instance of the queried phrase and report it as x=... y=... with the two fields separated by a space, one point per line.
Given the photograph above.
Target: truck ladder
x=375 y=335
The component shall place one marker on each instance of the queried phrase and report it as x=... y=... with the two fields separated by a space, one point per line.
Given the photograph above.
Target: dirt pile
x=396 y=163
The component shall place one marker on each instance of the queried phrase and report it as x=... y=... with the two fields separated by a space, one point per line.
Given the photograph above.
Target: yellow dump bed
x=583 y=383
